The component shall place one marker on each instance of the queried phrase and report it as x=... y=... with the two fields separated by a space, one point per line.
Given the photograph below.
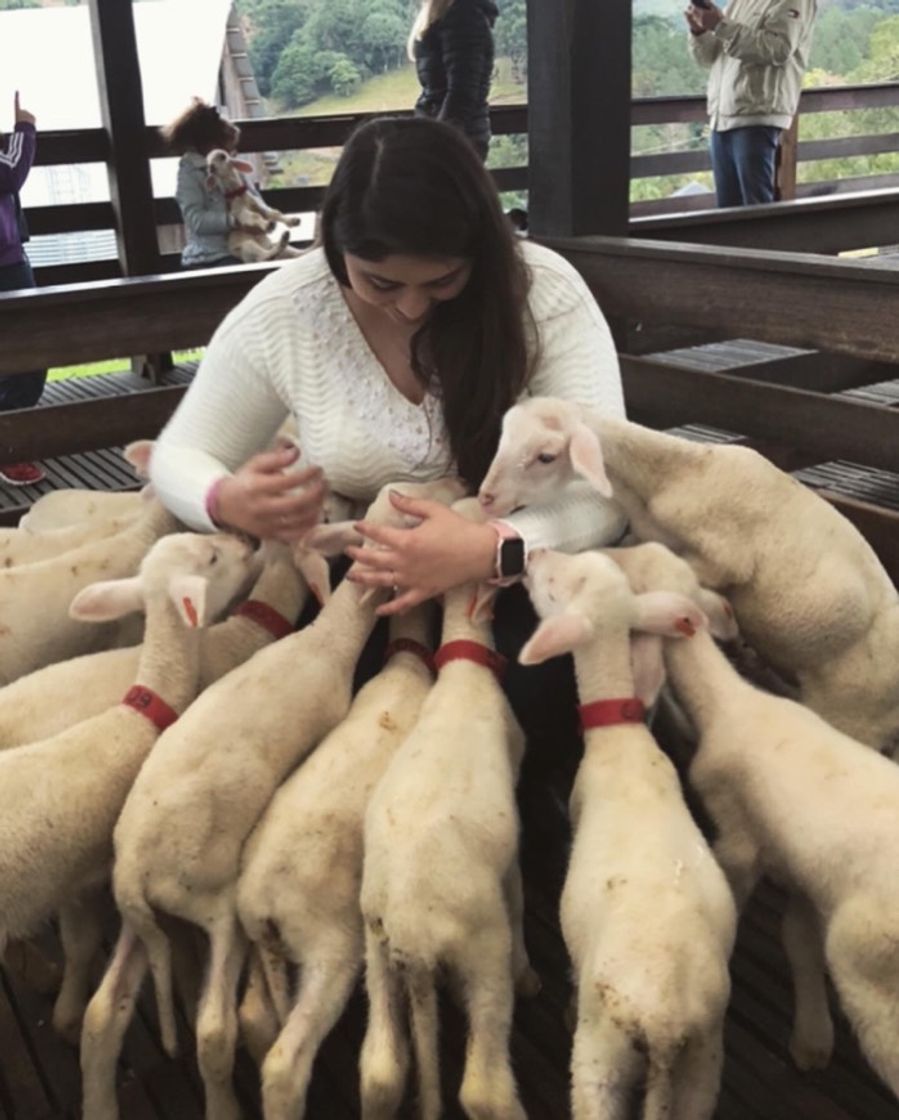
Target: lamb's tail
x=423 y=1020
x=138 y=912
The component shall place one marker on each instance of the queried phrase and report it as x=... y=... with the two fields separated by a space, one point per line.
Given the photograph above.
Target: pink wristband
x=212 y=503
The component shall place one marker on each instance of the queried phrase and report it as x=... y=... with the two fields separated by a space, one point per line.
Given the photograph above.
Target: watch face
x=512 y=557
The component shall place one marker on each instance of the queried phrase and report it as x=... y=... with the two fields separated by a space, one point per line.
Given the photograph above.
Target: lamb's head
x=654 y=567
x=201 y=574
x=586 y=599
x=544 y=444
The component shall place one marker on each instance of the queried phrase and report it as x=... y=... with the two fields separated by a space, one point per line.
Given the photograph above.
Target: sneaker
x=22 y=474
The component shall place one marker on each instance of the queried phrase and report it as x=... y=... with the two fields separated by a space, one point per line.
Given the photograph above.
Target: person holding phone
x=758 y=51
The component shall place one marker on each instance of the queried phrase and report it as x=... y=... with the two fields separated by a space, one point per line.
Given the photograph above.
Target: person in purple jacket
x=20 y=390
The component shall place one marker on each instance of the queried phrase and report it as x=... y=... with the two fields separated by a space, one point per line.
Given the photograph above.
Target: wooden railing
x=829 y=99
x=296 y=134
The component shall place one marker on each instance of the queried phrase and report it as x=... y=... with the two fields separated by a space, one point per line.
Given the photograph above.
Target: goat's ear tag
x=190 y=611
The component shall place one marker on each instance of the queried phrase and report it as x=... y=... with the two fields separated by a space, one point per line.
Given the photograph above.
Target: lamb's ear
x=648 y=667
x=242 y=165
x=188 y=593
x=553 y=637
x=107 y=600
x=315 y=570
x=138 y=455
x=587 y=460
x=668 y=614
x=330 y=539
x=720 y=614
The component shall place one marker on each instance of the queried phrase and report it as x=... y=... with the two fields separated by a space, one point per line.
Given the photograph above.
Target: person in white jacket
x=758 y=51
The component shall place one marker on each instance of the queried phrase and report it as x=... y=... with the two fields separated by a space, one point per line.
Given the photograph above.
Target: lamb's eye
x=545 y=457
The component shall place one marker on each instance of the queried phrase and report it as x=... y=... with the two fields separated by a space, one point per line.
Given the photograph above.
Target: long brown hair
x=415 y=186
x=429 y=12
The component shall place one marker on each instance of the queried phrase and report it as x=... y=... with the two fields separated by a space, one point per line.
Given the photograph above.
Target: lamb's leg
x=384 y=1060
x=697 y=1076
x=105 y=1022
x=217 y=1016
x=274 y=968
x=258 y=1021
x=325 y=987
x=605 y=1066
x=32 y=966
x=488 y=1087
x=864 y=963
x=811 y=1043
x=81 y=934
x=527 y=982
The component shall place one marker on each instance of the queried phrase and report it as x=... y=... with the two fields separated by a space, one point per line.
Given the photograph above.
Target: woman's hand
x=262 y=498
x=442 y=552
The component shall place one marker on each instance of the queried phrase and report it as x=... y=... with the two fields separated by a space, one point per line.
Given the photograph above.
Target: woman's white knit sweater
x=293 y=347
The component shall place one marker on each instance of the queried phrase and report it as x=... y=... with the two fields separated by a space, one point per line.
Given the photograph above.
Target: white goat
x=60 y=797
x=807 y=590
x=179 y=839
x=298 y=895
x=441 y=884
x=646 y=911
x=793 y=797
x=253 y=218
x=36 y=627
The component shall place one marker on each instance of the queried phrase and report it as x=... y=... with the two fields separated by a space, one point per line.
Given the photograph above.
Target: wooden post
x=122 y=109
x=579 y=98
x=787 y=153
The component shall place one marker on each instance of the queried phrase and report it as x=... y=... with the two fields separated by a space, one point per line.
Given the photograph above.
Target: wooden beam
x=43 y=433
x=796 y=299
x=826 y=427
x=807 y=225
x=122 y=109
x=578 y=122
x=817 y=372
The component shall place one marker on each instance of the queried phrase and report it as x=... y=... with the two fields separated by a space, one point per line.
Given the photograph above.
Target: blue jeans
x=19 y=390
x=743 y=161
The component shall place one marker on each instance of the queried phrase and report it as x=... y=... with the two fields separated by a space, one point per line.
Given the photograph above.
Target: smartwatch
x=511 y=554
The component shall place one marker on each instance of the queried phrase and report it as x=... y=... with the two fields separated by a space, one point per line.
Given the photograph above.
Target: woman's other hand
x=442 y=552
x=267 y=500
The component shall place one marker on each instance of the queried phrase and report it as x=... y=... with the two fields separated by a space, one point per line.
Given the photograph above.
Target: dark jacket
x=16 y=157
x=454 y=59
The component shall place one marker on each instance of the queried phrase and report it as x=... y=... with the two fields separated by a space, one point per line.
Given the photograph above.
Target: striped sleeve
x=17 y=157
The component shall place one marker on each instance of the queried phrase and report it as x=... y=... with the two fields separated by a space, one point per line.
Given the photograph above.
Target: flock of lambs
x=222 y=773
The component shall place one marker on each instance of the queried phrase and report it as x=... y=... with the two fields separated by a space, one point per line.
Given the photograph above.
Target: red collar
x=463 y=650
x=605 y=713
x=237 y=192
x=150 y=705
x=266 y=617
x=409 y=645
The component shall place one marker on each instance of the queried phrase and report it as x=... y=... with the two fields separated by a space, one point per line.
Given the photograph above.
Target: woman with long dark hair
x=451 y=45
x=397 y=344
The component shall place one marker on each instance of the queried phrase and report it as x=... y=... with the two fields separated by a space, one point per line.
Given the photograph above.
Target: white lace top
x=292 y=346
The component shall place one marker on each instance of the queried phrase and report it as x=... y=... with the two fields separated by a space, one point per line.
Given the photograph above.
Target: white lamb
x=796 y=799
x=36 y=627
x=60 y=797
x=61 y=509
x=19 y=546
x=180 y=836
x=441 y=885
x=85 y=686
x=647 y=915
x=807 y=590
x=253 y=218
x=298 y=895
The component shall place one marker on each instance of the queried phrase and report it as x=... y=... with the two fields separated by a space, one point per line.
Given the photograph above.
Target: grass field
x=113 y=365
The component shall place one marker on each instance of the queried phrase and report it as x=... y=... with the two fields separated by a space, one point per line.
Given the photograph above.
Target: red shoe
x=22 y=474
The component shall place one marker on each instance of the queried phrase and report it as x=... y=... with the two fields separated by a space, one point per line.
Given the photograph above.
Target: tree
x=511 y=36
x=344 y=77
x=272 y=25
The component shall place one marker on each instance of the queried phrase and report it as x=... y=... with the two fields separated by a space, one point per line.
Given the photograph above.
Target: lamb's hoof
x=528 y=984
x=809 y=1054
